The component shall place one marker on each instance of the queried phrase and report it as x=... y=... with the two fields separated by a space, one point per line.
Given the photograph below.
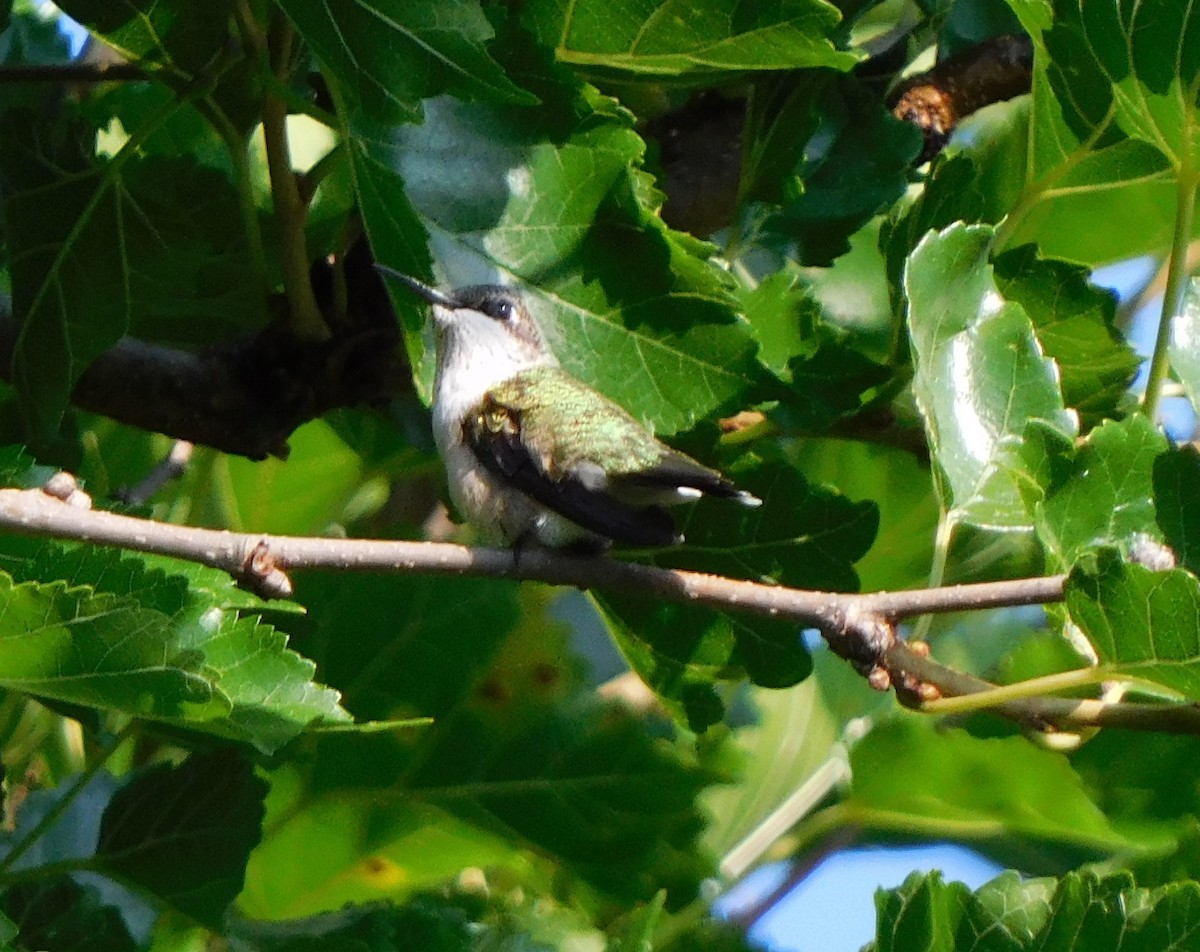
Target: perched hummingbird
x=534 y=455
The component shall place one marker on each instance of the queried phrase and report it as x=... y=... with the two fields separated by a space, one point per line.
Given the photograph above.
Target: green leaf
x=980 y=376
x=781 y=316
x=183 y=37
x=59 y=914
x=521 y=756
x=559 y=205
x=387 y=57
x=99 y=247
x=998 y=792
x=1075 y=324
x=307 y=494
x=1143 y=624
x=98 y=650
x=114 y=634
x=1176 y=487
x=1185 y=342
x=697 y=41
x=1078 y=913
x=1141 y=62
x=1083 y=175
x=184 y=833
x=856 y=163
x=271 y=690
x=921 y=916
x=1102 y=493
x=801 y=535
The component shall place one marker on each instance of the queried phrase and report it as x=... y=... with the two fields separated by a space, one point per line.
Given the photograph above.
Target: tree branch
x=243 y=396
x=937 y=101
x=861 y=628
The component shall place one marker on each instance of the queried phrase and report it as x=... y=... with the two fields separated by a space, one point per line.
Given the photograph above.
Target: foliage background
x=943 y=396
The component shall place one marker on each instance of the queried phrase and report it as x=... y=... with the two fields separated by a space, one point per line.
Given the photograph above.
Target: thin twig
x=33 y=512
x=171 y=467
x=858 y=627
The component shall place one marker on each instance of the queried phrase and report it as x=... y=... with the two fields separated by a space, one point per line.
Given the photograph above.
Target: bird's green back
x=565 y=422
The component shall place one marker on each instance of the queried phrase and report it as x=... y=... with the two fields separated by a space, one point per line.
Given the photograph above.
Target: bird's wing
x=577 y=491
x=675 y=470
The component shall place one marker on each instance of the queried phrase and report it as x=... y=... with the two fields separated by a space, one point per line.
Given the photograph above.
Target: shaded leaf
x=980 y=376
x=60 y=915
x=801 y=535
x=387 y=57
x=899 y=484
x=856 y=163
x=521 y=756
x=99 y=246
x=1176 y=479
x=183 y=37
x=184 y=833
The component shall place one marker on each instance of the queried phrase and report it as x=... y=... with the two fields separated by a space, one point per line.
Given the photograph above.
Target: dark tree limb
x=244 y=396
x=937 y=101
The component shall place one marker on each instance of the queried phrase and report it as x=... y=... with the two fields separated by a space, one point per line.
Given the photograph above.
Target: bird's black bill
x=420 y=288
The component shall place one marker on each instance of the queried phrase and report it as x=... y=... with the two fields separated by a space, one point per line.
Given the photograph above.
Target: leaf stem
x=64 y=802
x=238 y=146
x=304 y=317
x=1036 y=191
x=1185 y=205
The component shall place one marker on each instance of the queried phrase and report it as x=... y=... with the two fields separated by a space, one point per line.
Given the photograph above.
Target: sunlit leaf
x=1185 y=342
x=690 y=40
x=1105 y=493
x=982 y=789
x=114 y=634
x=1143 y=624
x=1078 y=913
x=980 y=375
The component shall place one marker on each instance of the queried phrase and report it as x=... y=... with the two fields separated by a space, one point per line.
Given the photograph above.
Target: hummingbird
x=534 y=455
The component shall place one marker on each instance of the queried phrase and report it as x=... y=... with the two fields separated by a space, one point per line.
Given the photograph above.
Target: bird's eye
x=501 y=310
